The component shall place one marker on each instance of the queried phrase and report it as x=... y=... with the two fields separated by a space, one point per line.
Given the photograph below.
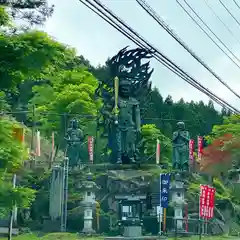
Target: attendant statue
x=74 y=139
x=180 y=143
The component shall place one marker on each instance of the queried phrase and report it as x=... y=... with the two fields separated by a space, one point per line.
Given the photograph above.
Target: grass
x=71 y=236
x=53 y=236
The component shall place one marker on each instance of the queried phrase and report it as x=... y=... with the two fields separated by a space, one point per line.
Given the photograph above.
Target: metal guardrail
x=191 y=227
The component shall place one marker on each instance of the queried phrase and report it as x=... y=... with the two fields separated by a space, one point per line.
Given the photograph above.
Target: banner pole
x=160 y=210
x=164 y=219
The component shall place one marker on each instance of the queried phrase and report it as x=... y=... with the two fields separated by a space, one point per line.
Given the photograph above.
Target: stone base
x=4 y=231
x=88 y=231
x=51 y=225
x=132 y=231
x=180 y=233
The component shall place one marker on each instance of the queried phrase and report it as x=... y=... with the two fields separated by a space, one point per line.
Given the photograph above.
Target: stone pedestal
x=178 y=201
x=88 y=218
x=132 y=231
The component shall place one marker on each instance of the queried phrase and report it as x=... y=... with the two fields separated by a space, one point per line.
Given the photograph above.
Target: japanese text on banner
x=164 y=189
x=206 y=201
x=203 y=200
x=200 y=147
x=212 y=192
x=90 y=148
x=191 y=150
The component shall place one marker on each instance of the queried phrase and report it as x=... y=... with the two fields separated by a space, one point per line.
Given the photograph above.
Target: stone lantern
x=89 y=188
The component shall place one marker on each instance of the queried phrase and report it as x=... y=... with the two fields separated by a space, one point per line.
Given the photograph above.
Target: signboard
x=90 y=148
x=164 y=189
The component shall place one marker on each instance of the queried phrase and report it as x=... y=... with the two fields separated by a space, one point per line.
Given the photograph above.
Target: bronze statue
x=122 y=95
x=181 y=148
x=74 y=139
x=127 y=122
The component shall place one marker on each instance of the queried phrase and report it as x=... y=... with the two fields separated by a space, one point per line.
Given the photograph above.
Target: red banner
x=90 y=148
x=206 y=201
x=191 y=150
x=19 y=133
x=203 y=200
x=200 y=147
x=212 y=192
x=158 y=149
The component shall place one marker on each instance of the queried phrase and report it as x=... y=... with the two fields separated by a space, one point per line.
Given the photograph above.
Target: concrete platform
x=135 y=238
x=4 y=231
x=110 y=166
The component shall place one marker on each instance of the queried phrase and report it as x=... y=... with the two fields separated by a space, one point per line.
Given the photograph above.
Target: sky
x=75 y=25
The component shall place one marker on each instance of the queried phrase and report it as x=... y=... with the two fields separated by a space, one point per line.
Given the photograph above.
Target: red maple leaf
x=217 y=157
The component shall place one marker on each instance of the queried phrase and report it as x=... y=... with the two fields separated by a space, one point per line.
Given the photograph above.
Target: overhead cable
x=86 y=116
x=236 y=4
x=208 y=35
x=131 y=34
x=140 y=41
x=170 y=31
x=216 y=15
x=226 y=8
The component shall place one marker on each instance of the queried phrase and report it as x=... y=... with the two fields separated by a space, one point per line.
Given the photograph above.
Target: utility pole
x=64 y=195
x=33 y=145
x=10 y=227
x=65 y=199
x=96 y=145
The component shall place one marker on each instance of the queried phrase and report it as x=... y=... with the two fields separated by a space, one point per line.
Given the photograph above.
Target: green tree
x=13 y=154
x=4 y=17
x=224 y=143
x=70 y=94
x=34 y=12
x=150 y=135
x=29 y=56
x=231 y=125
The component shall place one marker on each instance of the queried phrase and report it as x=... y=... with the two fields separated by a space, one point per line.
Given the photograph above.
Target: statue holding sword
x=125 y=91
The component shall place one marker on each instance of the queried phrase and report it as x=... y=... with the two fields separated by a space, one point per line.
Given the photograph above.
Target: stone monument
x=56 y=193
x=180 y=143
x=89 y=188
x=122 y=94
x=74 y=139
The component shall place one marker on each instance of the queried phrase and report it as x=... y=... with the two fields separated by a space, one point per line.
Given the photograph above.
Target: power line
x=194 y=20
x=161 y=22
x=229 y=30
x=236 y=4
x=229 y=12
x=47 y=113
x=140 y=41
x=131 y=34
x=84 y=116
